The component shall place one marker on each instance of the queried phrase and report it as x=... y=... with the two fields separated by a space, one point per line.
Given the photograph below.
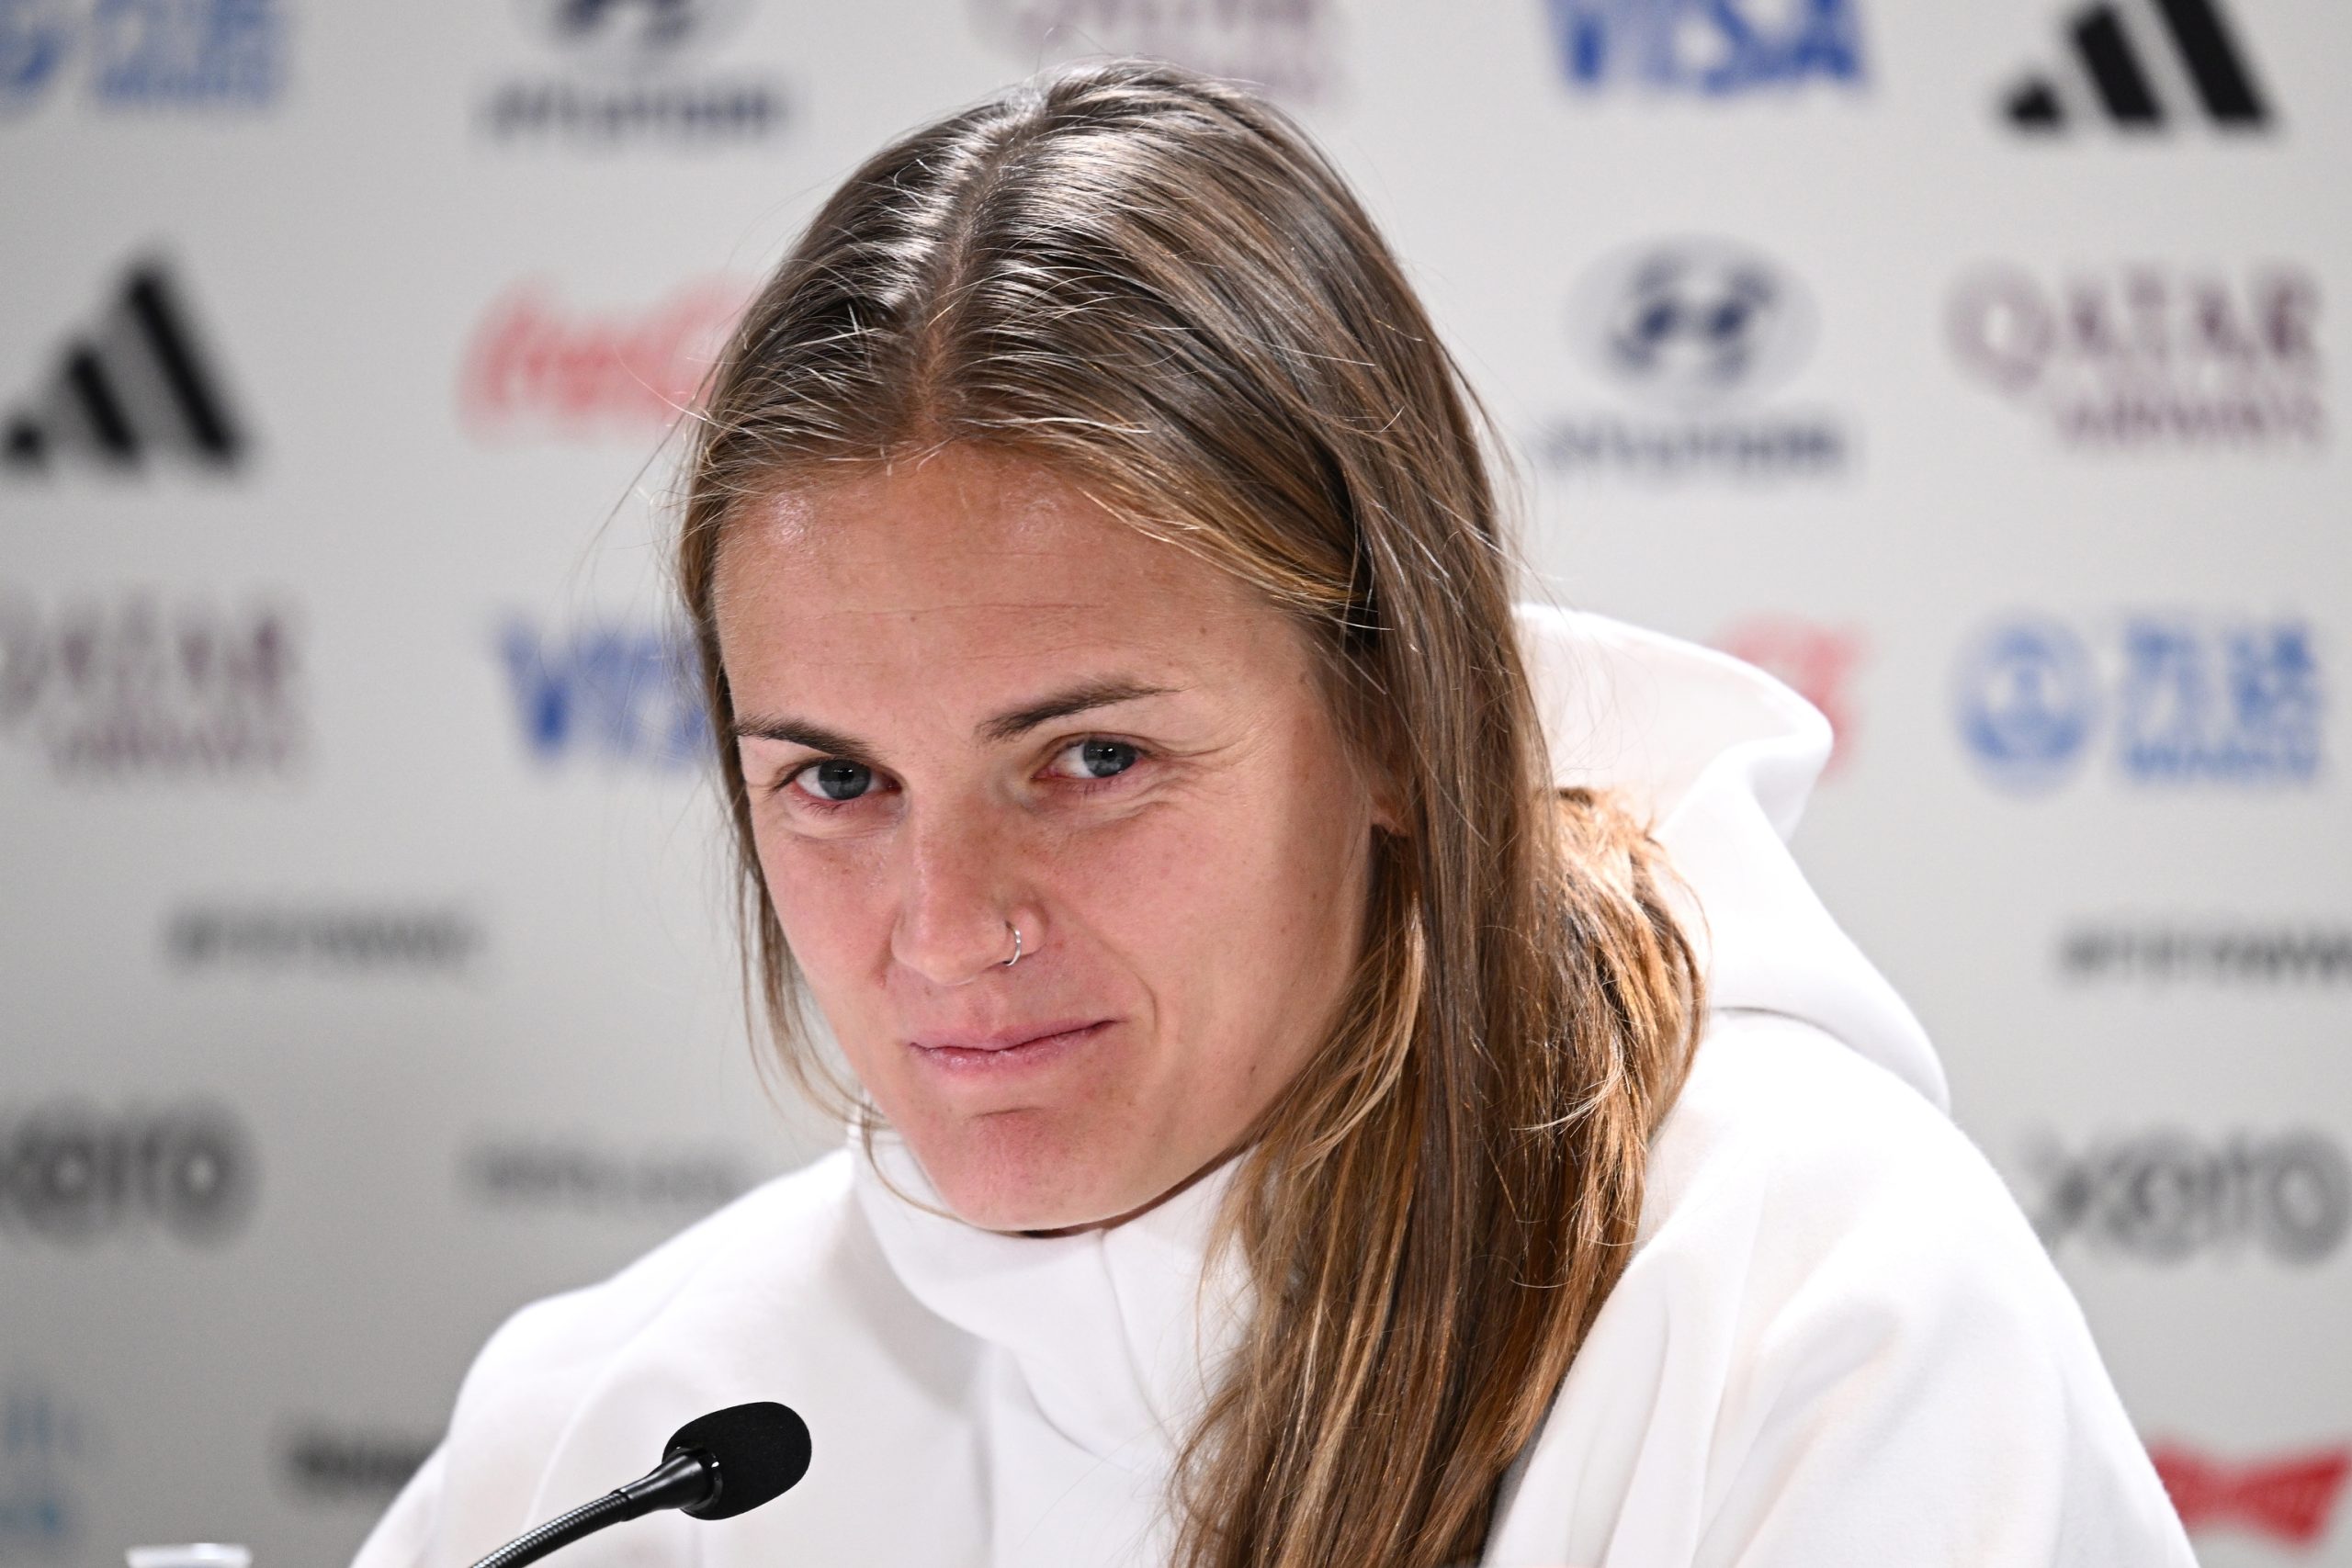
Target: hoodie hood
x=1720 y=758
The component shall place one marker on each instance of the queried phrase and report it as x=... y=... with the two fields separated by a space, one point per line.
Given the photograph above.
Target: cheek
x=1308 y=876
x=1237 y=915
x=831 y=912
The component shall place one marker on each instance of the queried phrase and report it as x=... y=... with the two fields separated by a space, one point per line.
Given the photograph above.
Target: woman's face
x=969 y=699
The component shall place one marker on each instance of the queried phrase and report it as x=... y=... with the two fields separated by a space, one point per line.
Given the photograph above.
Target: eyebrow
x=1008 y=726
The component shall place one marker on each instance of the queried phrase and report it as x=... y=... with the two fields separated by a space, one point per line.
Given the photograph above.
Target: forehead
x=977 y=569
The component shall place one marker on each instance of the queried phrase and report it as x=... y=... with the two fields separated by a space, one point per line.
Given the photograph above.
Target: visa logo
x=621 y=694
x=1713 y=48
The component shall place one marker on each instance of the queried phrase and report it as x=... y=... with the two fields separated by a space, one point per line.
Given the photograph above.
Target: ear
x=1386 y=796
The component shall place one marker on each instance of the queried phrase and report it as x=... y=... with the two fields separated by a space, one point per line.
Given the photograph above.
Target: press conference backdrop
x=365 y=958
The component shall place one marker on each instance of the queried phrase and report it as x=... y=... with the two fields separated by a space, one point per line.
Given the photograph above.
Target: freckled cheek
x=1154 y=889
x=833 y=915
x=1185 y=902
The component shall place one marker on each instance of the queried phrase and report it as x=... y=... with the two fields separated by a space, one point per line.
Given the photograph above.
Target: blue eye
x=1103 y=759
x=836 y=780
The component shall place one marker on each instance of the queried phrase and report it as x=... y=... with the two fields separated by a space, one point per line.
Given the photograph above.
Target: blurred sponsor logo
x=2146 y=357
x=138 y=388
x=619 y=693
x=282 y=939
x=1816 y=661
x=1700 y=330
x=553 y=1173
x=2113 y=73
x=2290 y=1498
x=2168 y=1195
x=2221 y=955
x=72 y=1174
x=43 y=1443
x=627 y=78
x=2028 y=699
x=1284 y=46
x=2187 y=700
x=326 y=1463
x=144 y=54
x=535 y=368
x=135 y=688
x=1711 y=48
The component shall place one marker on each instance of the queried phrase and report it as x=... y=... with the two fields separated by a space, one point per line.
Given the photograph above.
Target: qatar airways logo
x=135 y=686
x=1287 y=47
x=541 y=368
x=2147 y=357
x=2288 y=1498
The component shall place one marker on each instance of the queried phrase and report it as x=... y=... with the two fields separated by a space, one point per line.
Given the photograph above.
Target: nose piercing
x=1016 y=947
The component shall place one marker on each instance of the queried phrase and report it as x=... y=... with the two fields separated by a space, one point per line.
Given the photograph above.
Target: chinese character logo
x=2183 y=701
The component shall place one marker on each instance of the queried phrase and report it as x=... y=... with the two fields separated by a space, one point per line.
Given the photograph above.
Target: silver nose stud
x=1016 y=946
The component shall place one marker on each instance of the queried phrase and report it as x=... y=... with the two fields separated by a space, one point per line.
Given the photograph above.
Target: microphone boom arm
x=681 y=1481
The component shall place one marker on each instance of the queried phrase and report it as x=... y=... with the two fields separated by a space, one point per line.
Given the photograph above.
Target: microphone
x=714 y=1467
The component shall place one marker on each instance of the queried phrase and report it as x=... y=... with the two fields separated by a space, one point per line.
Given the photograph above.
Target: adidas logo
x=135 y=388
x=2131 y=86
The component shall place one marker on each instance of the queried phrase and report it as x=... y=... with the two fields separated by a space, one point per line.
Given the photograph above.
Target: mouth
x=1007 y=1050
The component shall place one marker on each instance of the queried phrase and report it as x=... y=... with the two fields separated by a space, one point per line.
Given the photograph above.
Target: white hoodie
x=1839 y=1344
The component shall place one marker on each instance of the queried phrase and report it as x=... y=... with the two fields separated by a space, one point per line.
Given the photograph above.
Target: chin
x=1007 y=1173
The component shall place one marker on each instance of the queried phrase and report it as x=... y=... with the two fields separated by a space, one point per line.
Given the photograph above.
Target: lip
x=1023 y=1045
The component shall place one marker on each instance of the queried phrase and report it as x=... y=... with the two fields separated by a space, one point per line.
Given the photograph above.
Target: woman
x=1342 y=1074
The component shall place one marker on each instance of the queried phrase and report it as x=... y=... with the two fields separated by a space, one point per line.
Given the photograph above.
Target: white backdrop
x=365 y=968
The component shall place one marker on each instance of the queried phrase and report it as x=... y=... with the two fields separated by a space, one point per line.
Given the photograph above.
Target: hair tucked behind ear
x=1154 y=284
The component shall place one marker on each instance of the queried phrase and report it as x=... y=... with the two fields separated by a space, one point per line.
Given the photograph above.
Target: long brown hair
x=1154 y=284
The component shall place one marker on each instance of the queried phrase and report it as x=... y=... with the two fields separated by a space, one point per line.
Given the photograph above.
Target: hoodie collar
x=1118 y=1332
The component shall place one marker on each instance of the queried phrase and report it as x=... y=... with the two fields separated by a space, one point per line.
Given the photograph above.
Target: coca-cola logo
x=2169 y=1195
x=74 y=1174
x=537 y=368
x=2150 y=355
x=2290 y=1498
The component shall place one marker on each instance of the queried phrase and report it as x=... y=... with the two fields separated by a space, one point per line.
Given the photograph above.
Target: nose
x=957 y=903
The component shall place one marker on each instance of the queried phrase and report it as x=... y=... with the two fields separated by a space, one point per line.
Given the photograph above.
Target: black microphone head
x=761 y=1451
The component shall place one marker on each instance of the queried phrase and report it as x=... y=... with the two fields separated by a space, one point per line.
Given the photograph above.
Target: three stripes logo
x=138 y=387
x=2134 y=87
